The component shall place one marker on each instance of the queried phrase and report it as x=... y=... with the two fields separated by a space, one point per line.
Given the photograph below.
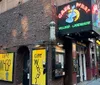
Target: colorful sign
x=6 y=66
x=39 y=67
x=96 y=15
x=74 y=16
x=98 y=42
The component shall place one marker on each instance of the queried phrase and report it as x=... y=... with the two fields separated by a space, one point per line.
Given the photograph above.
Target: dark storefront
x=76 y=23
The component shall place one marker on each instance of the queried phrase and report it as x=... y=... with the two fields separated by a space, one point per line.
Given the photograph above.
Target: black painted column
x=68 y=62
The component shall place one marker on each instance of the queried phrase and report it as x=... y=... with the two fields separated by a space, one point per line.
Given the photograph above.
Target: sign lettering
x=75 y=25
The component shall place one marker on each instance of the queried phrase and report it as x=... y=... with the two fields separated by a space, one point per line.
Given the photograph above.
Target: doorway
x=81 y=65
x=78 y=68
x=23 y=59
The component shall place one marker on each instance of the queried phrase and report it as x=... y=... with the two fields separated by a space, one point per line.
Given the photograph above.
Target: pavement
x=91 y=82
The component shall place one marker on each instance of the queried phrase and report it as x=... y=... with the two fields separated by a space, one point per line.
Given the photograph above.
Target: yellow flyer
x=38 y=67
x=6 y=66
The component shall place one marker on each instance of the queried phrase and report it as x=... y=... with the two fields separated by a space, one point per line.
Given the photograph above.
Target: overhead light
x=36 y=46
x=92 y=32
x=91 y=39
x=60 y=45
x=68 y=34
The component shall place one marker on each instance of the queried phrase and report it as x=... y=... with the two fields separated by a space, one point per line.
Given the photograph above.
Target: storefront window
x=58 y=62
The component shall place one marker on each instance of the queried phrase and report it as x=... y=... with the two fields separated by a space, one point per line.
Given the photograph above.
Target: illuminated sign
x=75 y=15
x=96 y=15
x=75 y=25
x=6 y=66
x=98 y=42
x=39 y=67
x=70 y=9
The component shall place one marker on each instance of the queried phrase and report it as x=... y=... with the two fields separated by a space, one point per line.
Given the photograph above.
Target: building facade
x=28 y=40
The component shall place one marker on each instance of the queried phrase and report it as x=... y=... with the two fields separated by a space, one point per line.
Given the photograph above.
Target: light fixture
x=92 y=32
x=68 y=34
x=91 y=39
x=52 y=30
x=36 y=46
x=60 y=45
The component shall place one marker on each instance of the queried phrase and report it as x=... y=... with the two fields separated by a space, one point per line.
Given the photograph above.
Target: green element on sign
x=81 y=24
x=65 y=27
x=75 y=25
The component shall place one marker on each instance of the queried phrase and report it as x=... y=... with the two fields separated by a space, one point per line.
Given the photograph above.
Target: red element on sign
x=64 y=11
x=94 y=8
x=82 y=6
x=68 y=7
x=78 y=4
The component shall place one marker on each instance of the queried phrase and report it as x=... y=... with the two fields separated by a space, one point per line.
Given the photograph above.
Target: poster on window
x=6 y=66
x=39 y=67
x=59 y=64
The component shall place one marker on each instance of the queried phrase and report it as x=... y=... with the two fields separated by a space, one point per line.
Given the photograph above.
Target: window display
x=58 y=62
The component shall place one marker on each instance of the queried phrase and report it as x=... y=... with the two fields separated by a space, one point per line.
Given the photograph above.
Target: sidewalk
x=91 y=82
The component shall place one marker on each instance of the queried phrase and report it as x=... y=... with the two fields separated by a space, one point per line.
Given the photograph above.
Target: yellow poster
x=6 y=66
x=38 y=67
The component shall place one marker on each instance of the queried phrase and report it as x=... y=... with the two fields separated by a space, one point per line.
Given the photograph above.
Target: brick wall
x=26 y=24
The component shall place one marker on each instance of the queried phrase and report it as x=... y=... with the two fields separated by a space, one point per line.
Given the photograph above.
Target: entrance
x=78 y=69
x=23 y=60
x=81 y=65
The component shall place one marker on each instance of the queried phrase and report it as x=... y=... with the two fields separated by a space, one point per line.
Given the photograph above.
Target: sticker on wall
x=6 y=67
x=39 y=67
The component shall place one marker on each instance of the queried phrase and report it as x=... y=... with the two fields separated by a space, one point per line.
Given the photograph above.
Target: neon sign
x=75 y=25
x=94 y=8
x=96 y=16
x=82 y=6
x=75 y=16
x=64 y=11
x=68 y=7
